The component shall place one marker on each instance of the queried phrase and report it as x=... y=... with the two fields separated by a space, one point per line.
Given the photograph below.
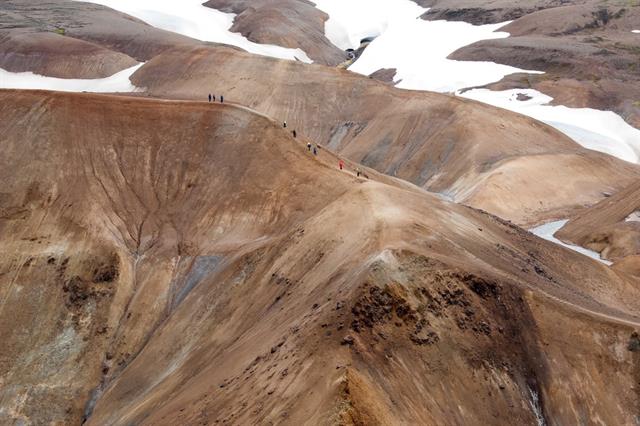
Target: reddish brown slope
x=193 y=263
x=508 y=164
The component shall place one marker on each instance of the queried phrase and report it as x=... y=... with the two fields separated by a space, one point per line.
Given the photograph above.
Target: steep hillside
x=611 y=227
x=498 y=161
x=503 y=162
x=58 y=56
x=168 y=262
x=70 y=39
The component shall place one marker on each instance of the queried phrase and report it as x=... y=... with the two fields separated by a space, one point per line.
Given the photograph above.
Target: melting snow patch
x=119 y=82
x=603 y=131
x=385 y=256
x=351 y=21
x=192 y=19
x=537 y=409
x=633 y=217
x=547 y=232
x=635 y=31
x=416 y=48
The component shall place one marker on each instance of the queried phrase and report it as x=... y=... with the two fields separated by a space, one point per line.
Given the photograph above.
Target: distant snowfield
x=352 y=20
x=192 y=19
x=602 y=131
x=416 y=48
x=547 y=230
x=119 y=82
x=635 y=31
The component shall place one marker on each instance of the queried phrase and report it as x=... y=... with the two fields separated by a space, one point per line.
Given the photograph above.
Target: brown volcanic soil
x=58 y=56
x=603 y=227
x=587 y=50
x=487 y=11
x=288 y=23
x=187 y=263
x=493 y=159
x=89 y=48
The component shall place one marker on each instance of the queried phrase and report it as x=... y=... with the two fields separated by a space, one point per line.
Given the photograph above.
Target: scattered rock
x=634 y=342
x=348 y=340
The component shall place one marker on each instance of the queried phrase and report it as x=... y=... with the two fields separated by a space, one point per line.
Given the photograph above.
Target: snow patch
x=416 y=48
x=353 y=20
x=633 y=217
x=547 y=232
x=536 y=407
x=421 y=67
x=192 y=19
x=602 y=131
x=118 y=82
x=635 y=31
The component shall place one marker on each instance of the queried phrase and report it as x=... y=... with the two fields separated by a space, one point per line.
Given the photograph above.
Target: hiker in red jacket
x=341 y=164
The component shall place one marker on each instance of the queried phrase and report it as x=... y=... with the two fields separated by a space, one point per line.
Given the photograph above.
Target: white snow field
x=118 y=82
x=547 y=231
x=635 y=31
x=352 y=20
x=192 y=19
x=416 y=48
x=602 y=131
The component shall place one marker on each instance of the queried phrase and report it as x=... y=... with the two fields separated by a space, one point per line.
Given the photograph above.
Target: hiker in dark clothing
x=358 y=172
x=221 y=99
x=294 y=134
x=209 y=97
x=309 y=146
x=284 y=124
x=213 y=97
x=315 y=151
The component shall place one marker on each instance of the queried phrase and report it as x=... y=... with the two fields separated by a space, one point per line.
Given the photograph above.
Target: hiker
x=341 y=164
x=209 y=97
x=221 y=99
x=294 y=134
x=213 y=98
x=358 y=172
x=284 y=124
x=309 y=146
x=315 y=151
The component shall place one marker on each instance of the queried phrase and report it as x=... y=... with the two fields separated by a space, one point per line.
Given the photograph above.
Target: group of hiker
x=293 y=132
x=212 y=98
x=315 y=148
x=310 y=147
x=358 y=171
